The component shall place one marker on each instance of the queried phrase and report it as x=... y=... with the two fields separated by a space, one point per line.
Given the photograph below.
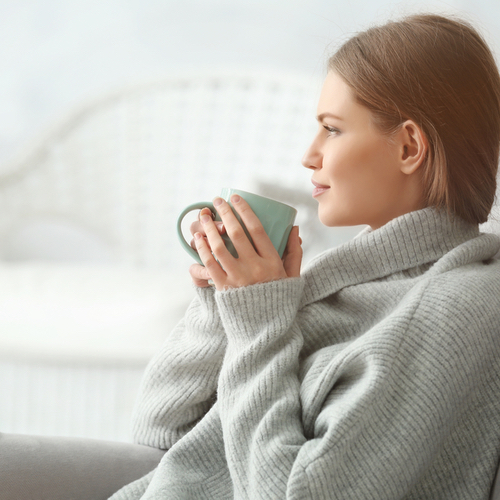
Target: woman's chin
x=332 y=219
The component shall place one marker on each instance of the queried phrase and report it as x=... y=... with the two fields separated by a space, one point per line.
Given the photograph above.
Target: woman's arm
x=259 y=388
x=180 y=382
x=369 y=419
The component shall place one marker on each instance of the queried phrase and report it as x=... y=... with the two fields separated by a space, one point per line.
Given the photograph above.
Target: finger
x=205 y=252
x=213 y=239
x=193 y=242
x=199 y=275
x=292 y=259
x=206 y=211
x=234 y=229
x=260 y=239
x=197 y=227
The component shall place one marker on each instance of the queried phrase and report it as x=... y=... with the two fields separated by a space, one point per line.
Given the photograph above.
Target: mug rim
x=241 y=191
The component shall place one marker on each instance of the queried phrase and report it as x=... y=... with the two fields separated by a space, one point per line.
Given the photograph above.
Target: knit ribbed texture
x=189 y=366
x=374 y=375
x=406 y=242
x=135 y=489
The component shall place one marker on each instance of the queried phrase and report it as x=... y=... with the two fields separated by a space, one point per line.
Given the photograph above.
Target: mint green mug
x=276 y=218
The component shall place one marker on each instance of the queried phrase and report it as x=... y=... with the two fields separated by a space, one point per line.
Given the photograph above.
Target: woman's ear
x=414 y=146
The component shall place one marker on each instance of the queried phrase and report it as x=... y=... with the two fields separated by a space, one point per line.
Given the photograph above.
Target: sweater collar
x=410 y=240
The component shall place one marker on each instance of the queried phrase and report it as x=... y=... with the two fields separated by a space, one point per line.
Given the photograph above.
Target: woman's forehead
x=337 y=100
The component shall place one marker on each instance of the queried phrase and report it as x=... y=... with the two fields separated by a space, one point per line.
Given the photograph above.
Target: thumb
x=292 y=258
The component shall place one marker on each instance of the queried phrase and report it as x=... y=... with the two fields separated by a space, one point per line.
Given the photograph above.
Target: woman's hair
x=440 y=73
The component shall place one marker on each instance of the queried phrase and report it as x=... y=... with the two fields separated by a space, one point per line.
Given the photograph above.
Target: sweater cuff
x=247 y=310
x=205 y=294
x=203 y=313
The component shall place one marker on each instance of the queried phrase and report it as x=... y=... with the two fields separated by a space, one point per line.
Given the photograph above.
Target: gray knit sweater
x=375 y=375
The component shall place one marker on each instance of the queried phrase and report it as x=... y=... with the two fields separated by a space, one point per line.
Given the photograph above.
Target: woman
x=374 y=373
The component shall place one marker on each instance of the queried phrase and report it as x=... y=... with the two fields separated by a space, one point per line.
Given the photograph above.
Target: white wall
x=53 y=53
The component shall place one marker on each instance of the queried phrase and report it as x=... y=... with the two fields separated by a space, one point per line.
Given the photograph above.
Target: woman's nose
x=312 y=157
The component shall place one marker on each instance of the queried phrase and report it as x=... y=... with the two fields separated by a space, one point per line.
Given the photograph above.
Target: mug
x=277 y=219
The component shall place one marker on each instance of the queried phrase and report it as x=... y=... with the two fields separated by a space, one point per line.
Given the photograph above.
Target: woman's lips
x=319 y=189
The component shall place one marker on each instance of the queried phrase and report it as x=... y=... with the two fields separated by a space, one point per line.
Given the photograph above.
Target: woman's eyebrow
x=322 y=116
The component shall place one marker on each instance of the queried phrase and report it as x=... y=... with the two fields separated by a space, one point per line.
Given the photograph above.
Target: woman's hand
x=199 y=274
x=254 y=265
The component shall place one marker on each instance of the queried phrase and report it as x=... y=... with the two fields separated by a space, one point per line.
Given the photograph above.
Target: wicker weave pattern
x=124 y=165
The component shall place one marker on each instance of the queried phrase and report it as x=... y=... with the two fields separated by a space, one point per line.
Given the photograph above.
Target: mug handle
x=194 y=206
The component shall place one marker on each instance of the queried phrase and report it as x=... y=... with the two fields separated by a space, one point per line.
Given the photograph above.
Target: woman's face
x=356 y=169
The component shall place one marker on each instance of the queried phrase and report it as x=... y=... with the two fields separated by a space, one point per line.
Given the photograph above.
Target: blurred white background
x=54 y=53
x=74 y=340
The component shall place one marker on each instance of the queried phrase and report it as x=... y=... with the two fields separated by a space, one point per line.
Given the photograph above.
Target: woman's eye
x=331 y=130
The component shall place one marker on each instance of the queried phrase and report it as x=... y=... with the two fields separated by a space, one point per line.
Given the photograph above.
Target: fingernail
x=206 y=211
x=235 y=198
x=197 y=236
x=217 y=202
x=205 y=218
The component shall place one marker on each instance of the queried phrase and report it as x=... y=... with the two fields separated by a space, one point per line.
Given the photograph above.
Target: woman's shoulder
x=464 y=300
x=472 y=281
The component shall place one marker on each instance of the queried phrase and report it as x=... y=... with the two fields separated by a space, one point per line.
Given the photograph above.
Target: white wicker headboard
x=120 y=168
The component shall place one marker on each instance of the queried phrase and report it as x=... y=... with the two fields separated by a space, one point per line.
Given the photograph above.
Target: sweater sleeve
x=180 y=382
x=385 y=403
x=258 y=393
